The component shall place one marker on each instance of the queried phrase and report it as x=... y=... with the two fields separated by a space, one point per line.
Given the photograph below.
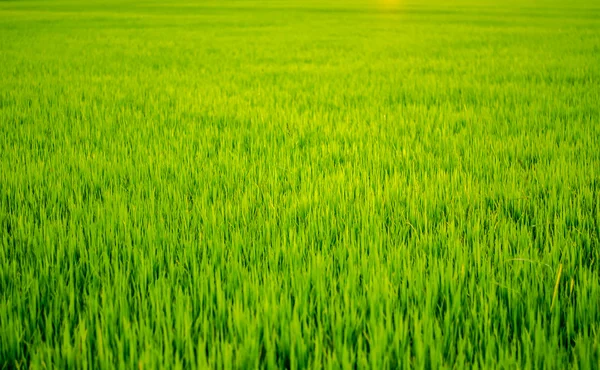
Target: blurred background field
x=286 y=184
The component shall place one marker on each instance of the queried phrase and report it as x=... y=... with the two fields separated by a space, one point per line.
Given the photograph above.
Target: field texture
x=243 y=184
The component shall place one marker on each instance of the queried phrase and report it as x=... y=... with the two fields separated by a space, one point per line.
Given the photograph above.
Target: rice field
x=300 y=184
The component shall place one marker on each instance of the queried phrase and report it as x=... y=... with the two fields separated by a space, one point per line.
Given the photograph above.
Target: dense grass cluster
x=300 y=184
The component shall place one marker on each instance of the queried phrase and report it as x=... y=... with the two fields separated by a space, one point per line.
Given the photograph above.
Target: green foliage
x=299 y=184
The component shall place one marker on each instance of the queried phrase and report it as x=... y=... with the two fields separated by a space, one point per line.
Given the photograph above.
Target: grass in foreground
x=278 y=184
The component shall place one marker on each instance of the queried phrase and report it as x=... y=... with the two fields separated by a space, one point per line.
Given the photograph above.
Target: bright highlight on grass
x=388 y=5
x=242 y=184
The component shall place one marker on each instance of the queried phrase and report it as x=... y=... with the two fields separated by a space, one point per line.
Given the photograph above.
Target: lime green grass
x=279 y=184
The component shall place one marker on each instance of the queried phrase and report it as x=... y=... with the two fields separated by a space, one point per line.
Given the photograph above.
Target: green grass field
x=278 y=184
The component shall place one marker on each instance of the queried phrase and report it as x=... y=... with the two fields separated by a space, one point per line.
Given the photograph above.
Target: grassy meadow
x=300 y=184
